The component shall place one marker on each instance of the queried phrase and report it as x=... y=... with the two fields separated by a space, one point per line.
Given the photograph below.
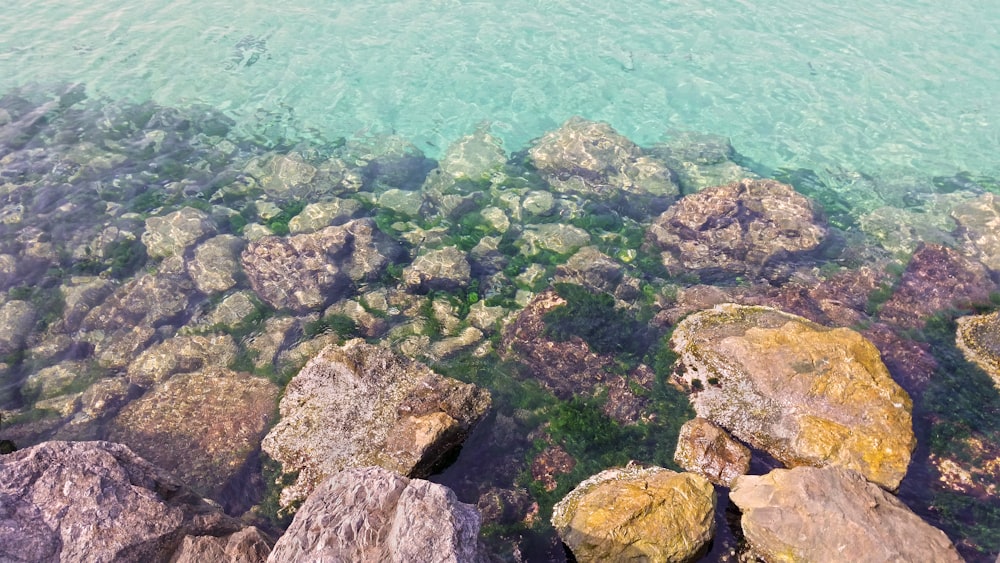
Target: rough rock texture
x=216 y=264
x=709 y=451
x=632 y=513
x=306 y=272
x=173 y=233
x=570 y=368
x=806 y=394
x=445 y=269
x=316 y=216
x=832 y=514
x=17 y=318
x=555 y=237
x=978 y=337
x=979 y=229
x=936 y=279
x=202 y=426
x=81 y=294
x=179 y=355
x=149 y=300
x=739 y=228
x=371 y=514
x=248 y=545
x=357 y=404
x=96 y=501
x=592 y=159
x=591 y=268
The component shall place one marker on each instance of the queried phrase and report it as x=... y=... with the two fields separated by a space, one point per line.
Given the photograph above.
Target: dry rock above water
x=978 y=337
x=709 y=451
x=632 y=513
x=804 y=393
x=307 y=272
x=739 y=228
x=98 y=501
x=372 y=514
x=357 y=405
x=832 y=514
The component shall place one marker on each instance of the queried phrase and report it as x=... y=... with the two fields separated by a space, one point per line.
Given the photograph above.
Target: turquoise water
x=886 y=87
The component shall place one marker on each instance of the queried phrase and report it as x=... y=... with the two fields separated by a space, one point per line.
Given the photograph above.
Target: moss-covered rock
x=804 y=393
x=632 y=513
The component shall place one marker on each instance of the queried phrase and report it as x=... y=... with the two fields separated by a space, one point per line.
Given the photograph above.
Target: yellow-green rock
x=633 y=513
x=978 y=337
x=806 y=394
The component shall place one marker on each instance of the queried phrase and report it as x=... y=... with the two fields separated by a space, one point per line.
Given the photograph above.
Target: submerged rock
x=203 y=426
x=181 y=354
x=979 y=229
x=474 y=157
x=316 y=216
x=283 y=176
x=832 y=514
x=936 y=279
x=97 y=501
x=709 y=451
x=554 y=237
x=173 y=233
x=17 y=319
x=306 y=272
x=445 y=269
x=804 y=393
x=739 y=228
x=591 y=159
x=216 y=264
x=357 y=404
x=371 y=514
x=633 y=513
x=978 y=337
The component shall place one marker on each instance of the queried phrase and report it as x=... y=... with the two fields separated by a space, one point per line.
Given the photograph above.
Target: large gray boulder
x=832 y=514
x=372 y=514
x=308 y=271
x=358 y=405
x=97 y=501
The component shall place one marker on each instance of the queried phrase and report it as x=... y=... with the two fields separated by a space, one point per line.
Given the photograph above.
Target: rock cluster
x=357 y=405
x=806 y=394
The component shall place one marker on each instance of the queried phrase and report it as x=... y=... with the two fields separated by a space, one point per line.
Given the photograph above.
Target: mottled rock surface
x=445 y=269
x=555 y=237
x=17 y=318
x=709 y=451
x=590 y=268
x=979 y=229
x=216 y=264
x=305 y=272
x=739 y=228
x=936 y=279
x=832 y=514
x=631 y=513
x=590 y=158
x=149 y=300
x=372 y=514
x=248 y=545
x=316 y=216
x=97 y=501
x=173 y=233
x=978 y=337
x=804 y=393
x=357 y=404
x=202 y=425
x=283 y=176
x=181 y=354
x=475 y=157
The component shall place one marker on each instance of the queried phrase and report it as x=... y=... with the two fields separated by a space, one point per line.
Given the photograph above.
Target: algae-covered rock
x=632 y=513
x=172 y=234
x=308 y=271
x=739 y=228
x=832 y=514
x=214 y=422
x=804 y=393
x=445 y=269
x=709 y=451
x=358 y=404
x=978 y=337
x=371 y=514
x=591 y=159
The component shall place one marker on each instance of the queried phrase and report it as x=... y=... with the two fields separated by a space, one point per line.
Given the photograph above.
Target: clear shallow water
x=887 y=87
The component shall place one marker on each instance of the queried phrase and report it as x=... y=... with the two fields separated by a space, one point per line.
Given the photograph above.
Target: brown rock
x=832 y=514
x=709 y=451
x=248 y=545
x=739 y=228
x=936 y=279
x=978 y=337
